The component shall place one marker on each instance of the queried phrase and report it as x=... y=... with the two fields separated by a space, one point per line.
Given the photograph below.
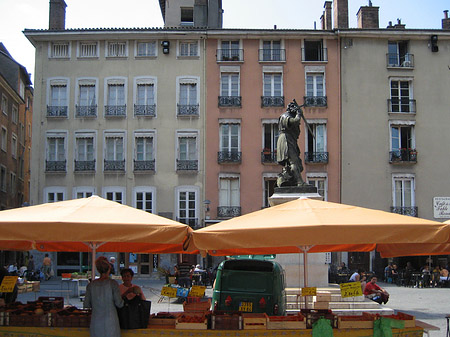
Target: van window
x=256 y=282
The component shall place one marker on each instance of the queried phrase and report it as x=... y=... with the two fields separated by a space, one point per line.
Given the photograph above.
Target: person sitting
x=426 y=276
x=444 y=277
x=127 y=289
x=374 y=292
x=342 y=269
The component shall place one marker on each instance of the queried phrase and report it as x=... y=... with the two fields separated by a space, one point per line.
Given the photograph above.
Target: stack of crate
x=322 y=300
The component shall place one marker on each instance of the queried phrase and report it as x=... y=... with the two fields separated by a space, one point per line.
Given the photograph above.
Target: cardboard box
x=321 y=305
x=324 y=296
x=254 y=321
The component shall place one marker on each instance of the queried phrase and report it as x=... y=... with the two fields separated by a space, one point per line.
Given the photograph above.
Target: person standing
x=47 y=267
x=112 y=262
x=103 y=296
x=127 y=289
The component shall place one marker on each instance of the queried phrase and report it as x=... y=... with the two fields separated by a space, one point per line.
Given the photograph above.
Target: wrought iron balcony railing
x=55 y=166
x=191 y=222
x=311 y=101
x=187 y=165
x=114 y=165
x=188 y=110
x=411 y=211
x=272 y=101
x=395 y=60
x=402 y=105
x=229 y=157
x=230 y=101
x=314 y=55
x=316 y=157
x=56 y=111
x=228 y=211
x=403 y=156
x=115 y=110
x=86 y=110
x=144 y=165
x=145 y=110
x=84 y=165
x=230 y=55
x=268 y=156
x=272 y=55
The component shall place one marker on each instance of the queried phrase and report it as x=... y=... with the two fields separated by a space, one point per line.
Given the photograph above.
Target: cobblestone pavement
x=430 y=305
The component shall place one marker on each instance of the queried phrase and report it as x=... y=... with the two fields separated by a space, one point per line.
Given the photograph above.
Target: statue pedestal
x=293 y=263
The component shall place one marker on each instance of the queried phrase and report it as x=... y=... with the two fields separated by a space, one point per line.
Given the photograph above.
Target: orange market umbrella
x=307 y=225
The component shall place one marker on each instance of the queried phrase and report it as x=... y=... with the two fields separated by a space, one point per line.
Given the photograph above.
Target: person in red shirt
x=375 y=292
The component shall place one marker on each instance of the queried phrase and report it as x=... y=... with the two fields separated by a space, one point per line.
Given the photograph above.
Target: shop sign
x=8 y=284
x=441 y=207
x=169 y=291
x=350 y=289
x=197 y=291
x=309 y=291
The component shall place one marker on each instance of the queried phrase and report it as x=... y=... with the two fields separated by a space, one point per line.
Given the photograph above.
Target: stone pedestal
x=293 y=263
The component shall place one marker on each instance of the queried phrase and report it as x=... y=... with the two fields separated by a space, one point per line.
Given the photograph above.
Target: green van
x=249 y=285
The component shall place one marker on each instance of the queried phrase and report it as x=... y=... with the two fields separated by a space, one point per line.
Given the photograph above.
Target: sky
x=285 y=14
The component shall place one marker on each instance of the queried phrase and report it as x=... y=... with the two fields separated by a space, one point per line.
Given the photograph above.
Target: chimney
x=201 y=13
x=399 y=25
x=446 y=21
x=340 y=9
x=57 y=15
x=326 y=17
x=368 y=17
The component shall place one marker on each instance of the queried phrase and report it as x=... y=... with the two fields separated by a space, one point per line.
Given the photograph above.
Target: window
x=272 y=90
x=84 y=151
x=272 y=51
x=188 y=97
x=187 y=158
x=403 y=195
x=230 y=51
x=403 y=148
x=12 y=183
x=188 y=48
x=187 y=203
x=87 y=103
x=270 y=182
x=83 y=192
x=401 y=97
x=116 y=49
x=315 y=90
x=54 y=194
x=58 y=105
x=230 y=142
x=316 y=143
x=15 y=114
x=144 y=198
x=60 y=50
x=187 y=16
x=88 y=49
x=3 y=178
x=398 y=55
x=56 y=152
x=115 y=194
x=145 y=98
x=5 y=105
x=144 y=148
x=116 y=100
x=4 y=138
x=229 y=90
x=270 y=138
x=114 y=152
x=314 y=51
x=229 y=196
x=14 y=145
x=319 y=180
x=146 y=49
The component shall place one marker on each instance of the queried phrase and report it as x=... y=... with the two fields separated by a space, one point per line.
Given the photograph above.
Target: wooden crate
x=321 y=305
x=198 y=323
x=162 y=320
x=286 y=322
x=254 y=321
x=200 y=306
x=355 y=322
x=225 y=321
x=410 y=321
x=323 y=296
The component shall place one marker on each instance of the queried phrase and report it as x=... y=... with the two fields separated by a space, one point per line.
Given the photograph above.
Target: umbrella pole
x=305 y=250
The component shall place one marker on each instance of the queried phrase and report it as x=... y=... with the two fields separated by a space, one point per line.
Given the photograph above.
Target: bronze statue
x=288 y=152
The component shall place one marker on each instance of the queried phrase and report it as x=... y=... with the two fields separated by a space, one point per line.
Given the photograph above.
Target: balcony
x=144 y=165
x=114 y=165
x=314 y=55
x=84 y=165
x=187 y=165
x=403 y=156
x=315 y=101
x=402 y=105
x=145 y=110
x=269 y=157
x=190 y=110
x=229 y=157
x=55 y=166
x=191 y=222
x=272 y=101
x=115 y=110
x=410 y=211
x=56 y=111
x=230 y=55
x=272 y=55
x=230 y=101
x=228 y=211
x=316 y=157
x=86 y=110
x=395 y=60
